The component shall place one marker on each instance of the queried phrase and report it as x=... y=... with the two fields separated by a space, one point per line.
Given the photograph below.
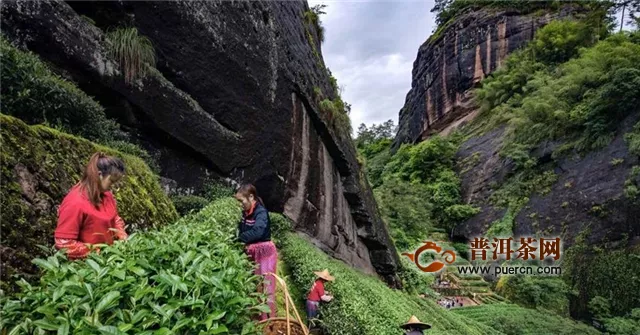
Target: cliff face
x=231 y=97
x=453 y=61
x=588 y=192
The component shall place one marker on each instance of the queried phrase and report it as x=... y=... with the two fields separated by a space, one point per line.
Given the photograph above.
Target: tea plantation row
x=516 y=320
x=364 y=304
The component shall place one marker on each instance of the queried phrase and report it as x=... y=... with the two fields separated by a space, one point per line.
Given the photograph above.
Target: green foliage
x=512 y=319
x=373 y=140
x=405 y=210
x=559 y=41
x=133 y=52
x=424 y=161
x=633 y=140
x=362 y=304
x=599 y=307
x=632 y=183
x=502 y=227
x=186 y=204
x=214 y=190
x=335 y=112
x=39 y=166
x=31 y=92
x=550 y=293
x=580 y=103
x=189 y=277
x=413 y=280
x=611 y=275
x=628 y=325
x=312 y=17
x=448 y=10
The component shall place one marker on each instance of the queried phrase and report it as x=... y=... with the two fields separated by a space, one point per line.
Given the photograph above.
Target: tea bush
x=39 y=166
x=31 y=92
x=515 y=320
x=186 y=204
x=190 y=277
x=363 y=304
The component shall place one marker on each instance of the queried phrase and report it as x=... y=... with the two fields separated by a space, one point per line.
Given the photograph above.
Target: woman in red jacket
x=88 y=214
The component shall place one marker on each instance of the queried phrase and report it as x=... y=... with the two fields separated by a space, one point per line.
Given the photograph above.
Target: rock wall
x=588 y=194
x=453 y=61
x=230 y=97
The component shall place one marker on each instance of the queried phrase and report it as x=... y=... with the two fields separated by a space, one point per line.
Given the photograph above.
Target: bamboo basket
x=284 y=325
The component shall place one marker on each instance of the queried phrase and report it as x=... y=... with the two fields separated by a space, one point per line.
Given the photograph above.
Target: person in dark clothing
x=254 y=231
x=414 y=326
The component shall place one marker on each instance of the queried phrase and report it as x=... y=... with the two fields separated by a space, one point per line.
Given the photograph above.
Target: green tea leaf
x=45 y=324
x=63 y=329
x=219 y=329
x=110 y=330
x=108 y=301
x=93 y=265
x=125 y=327
x=43 y=264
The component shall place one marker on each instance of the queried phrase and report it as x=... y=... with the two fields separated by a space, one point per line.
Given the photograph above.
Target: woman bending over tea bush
x=255 y=232
x=88 y=214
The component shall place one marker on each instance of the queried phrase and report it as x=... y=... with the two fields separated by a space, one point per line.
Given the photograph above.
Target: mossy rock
x=39 y=166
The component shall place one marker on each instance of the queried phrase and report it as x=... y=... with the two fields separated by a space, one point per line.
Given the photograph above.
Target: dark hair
x=99 y=164
x=248 y=189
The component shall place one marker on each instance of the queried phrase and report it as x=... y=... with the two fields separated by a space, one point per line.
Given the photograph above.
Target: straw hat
x=414 y=322
x=324 y=274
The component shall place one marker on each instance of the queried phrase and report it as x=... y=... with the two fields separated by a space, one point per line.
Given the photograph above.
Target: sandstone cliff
x=231 y=97
x=453 y=60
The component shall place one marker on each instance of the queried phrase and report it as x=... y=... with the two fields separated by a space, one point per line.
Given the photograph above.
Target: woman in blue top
x=255 y=232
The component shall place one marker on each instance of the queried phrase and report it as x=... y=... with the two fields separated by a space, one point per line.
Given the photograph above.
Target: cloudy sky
x=370 y=46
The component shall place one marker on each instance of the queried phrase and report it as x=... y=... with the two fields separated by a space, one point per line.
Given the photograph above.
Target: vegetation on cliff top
x=39 y=166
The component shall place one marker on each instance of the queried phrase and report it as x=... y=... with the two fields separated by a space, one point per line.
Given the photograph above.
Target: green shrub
x=611 y=274
x=312 y=17
x=39 y=166
x=560 y=40
x=550 y=293
x=633 y=140
x=363 y=304
x=33 y=93
x=186 y=204
x=132 y=51
x=580 y=103
x=628 y=325
x=135 y=150
x=413 y=280
x=214 y=190
x=512 y=319
x=404 y=210
x=189 y=277
x=599 y=307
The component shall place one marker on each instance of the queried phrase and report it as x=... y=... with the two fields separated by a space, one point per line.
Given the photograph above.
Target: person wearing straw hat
x=318 y=294
x=414 y=326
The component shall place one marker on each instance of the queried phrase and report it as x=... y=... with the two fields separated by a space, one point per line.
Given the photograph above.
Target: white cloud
x=370 y=47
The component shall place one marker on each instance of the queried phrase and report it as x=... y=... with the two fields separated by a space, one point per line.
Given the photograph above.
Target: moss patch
x=39 y=166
